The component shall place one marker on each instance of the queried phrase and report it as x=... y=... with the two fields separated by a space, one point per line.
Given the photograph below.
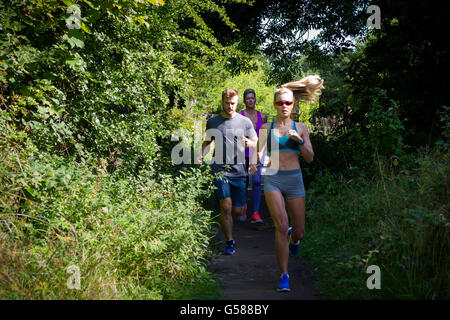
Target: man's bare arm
x=206 y=147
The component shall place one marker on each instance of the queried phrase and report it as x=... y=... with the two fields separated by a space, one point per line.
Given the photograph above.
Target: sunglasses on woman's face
x=282 y=103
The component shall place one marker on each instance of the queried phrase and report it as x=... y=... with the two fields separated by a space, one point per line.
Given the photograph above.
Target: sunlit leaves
x=157 y=2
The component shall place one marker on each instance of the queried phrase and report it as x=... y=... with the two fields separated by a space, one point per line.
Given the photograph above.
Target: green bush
x=397 y=220
x=130 y=238
x=105 y=88
x=86 y=178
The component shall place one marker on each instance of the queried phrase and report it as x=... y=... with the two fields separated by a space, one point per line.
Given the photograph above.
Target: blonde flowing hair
x=307 y=88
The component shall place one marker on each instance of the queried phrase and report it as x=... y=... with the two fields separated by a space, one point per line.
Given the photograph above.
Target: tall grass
x=396 y=218
x=144 y=237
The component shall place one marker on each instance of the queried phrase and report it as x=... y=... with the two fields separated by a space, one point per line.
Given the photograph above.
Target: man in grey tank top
x=229 y=131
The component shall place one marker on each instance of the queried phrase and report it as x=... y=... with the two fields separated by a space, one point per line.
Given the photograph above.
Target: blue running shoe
x=293 y=248
x=230 y=249
x=284 y=284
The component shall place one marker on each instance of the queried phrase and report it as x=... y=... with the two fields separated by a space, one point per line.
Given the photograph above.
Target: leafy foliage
x=87 y=93
x=241 y=81
x=397 y=220
x=102 y=88
x=91 y=91
x=130 y=238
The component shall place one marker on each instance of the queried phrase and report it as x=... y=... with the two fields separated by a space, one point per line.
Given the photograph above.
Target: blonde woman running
x=286 y=140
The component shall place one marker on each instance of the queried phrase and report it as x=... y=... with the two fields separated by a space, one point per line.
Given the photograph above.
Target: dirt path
x=252 y=272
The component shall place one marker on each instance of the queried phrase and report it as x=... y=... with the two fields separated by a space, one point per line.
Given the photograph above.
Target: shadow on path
x=252 y=272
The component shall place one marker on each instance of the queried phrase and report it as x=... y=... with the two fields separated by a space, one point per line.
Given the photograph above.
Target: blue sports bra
x=284 y=143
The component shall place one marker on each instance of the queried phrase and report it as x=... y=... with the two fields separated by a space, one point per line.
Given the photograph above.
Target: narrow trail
x=252 y=272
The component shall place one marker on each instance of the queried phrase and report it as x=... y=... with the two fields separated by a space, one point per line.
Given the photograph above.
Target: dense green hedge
x=129 y=237
x=86 y=118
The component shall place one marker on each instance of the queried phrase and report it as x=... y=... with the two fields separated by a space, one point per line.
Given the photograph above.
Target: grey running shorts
x=288 y=182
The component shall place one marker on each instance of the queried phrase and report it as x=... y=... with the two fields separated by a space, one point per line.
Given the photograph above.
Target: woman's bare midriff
x=284 y=160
